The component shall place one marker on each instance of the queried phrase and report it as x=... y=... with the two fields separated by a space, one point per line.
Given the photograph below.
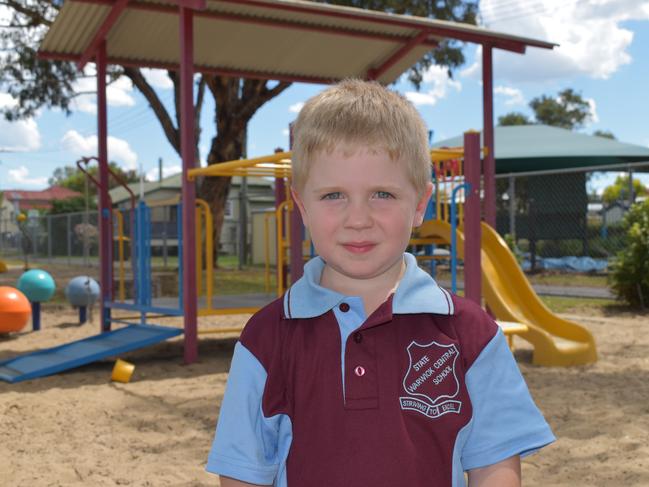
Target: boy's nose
x=358 y=216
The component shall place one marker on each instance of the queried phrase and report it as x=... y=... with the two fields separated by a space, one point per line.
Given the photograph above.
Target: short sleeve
x=505 y=420
x=247 y=444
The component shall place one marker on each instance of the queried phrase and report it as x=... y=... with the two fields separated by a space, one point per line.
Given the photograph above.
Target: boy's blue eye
x=332 y=196
x=384 y=195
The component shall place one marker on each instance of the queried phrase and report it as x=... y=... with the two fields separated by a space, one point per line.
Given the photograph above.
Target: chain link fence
x=70 y=238
x=549 y=216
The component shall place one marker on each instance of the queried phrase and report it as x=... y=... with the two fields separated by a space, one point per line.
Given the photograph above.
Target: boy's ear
x=420 y=210
x=300 y=205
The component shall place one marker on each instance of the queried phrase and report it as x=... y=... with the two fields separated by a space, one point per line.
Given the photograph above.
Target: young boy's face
x=360 y=208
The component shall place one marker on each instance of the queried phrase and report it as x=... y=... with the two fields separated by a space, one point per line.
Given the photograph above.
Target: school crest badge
x=430 y=383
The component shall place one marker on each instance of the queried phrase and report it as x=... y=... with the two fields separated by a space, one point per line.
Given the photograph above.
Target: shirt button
x=359 y=371
x=358 y=337
x=344 y=307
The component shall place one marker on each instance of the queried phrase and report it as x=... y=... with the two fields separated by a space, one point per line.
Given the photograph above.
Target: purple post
x=297 y=232
x=36 y=316
x=188 y=188
x=105 y=238
x=488 y=128
x=83 y=314
x=472 y=230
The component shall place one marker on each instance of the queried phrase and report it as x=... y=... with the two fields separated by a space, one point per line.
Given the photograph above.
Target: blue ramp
x=82 y=352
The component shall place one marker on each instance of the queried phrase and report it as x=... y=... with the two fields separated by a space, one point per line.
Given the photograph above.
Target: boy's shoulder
x=471 y=325
x=263 y=328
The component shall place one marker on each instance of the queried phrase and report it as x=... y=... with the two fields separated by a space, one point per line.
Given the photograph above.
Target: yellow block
x=122 y=371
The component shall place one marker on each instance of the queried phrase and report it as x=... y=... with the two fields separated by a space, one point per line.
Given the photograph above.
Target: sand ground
x=79 y=428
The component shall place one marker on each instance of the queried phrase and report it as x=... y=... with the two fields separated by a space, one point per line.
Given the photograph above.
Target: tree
x=607 y=134
x=72 y=178
x=71 y=205
x=619 y=190
x=37 y=83
x=514 y=118
x=568 y=110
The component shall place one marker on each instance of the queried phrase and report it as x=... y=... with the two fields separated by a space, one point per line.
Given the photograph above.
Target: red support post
x=188 y=187
x=297 y=233
x=101 y=33
x=400 y=53
x=105 y=227
x=488 y=131
x=472 y=230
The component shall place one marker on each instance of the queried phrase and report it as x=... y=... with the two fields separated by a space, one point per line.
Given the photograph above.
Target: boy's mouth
x=359 y=247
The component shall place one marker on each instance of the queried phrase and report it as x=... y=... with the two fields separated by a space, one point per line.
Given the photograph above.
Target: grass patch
x=563 y=304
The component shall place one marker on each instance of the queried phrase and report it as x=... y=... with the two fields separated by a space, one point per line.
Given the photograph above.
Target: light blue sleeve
x=505 y=420
x=247 y=446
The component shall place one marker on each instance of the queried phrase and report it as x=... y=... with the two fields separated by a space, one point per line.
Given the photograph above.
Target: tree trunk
x=227 y=146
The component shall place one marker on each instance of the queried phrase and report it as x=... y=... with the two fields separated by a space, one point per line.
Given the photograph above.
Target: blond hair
x=356 y=113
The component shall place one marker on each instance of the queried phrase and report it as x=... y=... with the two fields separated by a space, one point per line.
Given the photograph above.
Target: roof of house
x=286 y=40
x=41 y=199
x=525 y=148
x=174 y=183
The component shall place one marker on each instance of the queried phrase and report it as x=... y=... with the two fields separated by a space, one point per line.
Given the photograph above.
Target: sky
x=603 y=54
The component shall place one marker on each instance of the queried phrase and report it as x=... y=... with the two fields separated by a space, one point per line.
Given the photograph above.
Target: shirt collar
x=417 y=293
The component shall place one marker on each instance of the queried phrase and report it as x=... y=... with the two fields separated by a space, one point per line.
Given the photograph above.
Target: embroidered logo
x=430 y=383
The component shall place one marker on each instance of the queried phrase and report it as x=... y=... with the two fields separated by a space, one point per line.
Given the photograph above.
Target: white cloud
x=118 y=149
x=20 y=175
x=286 y=132
x=296 y=107
x=435 y=86
x=514 y=95
x=118 y=93
x=592 y=110
x=158 y=78
x=153 y=174
x=592 y=41
x=19 y=136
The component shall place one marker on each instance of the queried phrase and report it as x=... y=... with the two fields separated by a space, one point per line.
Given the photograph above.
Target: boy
x=366 y=373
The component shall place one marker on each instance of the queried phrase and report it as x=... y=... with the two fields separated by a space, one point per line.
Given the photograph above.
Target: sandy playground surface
x=79 y=428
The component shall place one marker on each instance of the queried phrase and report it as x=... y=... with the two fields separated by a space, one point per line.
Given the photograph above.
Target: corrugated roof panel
x=143 y=35
x=271 y=12
x=263 y=37
x=241 y=46
x=74 y=28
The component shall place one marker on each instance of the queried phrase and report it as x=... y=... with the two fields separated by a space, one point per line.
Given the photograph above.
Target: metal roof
x=524 y=148
x=290 y=40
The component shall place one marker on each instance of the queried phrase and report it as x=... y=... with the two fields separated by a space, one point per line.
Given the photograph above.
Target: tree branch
x=171 y=132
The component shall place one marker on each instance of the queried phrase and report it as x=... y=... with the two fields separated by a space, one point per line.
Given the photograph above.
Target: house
x=163 y=197
x=24 y=200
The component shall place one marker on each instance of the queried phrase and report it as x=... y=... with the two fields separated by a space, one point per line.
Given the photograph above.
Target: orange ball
x=15 y=309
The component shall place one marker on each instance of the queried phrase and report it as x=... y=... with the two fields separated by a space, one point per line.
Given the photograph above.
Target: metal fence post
x=69 y=233
x=49 y=238
x=512 y=207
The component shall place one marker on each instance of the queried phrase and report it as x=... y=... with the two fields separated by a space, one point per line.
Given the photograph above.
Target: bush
x=630 y=271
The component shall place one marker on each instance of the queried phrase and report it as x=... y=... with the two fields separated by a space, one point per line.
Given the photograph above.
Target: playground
x=63 y=421
x=156 y=430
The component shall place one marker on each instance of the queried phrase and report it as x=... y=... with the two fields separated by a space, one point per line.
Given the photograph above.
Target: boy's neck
x=373 y=292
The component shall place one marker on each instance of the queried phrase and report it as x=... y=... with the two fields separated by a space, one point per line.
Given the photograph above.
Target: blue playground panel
x=82 y=352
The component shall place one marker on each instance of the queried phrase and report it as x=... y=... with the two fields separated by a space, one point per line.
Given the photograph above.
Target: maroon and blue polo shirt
x=320 y=395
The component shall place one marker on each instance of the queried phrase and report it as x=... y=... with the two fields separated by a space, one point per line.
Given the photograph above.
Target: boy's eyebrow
x=378 y=187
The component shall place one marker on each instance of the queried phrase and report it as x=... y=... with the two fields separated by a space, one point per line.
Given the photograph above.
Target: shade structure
x=526 y=148
x=284 y=40
x=271 y=39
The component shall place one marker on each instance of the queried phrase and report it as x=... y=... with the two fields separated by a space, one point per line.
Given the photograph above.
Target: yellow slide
x=511 y=297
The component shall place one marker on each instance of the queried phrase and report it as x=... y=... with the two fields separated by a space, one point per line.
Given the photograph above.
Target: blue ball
x=82 y=291
x=37 y=285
